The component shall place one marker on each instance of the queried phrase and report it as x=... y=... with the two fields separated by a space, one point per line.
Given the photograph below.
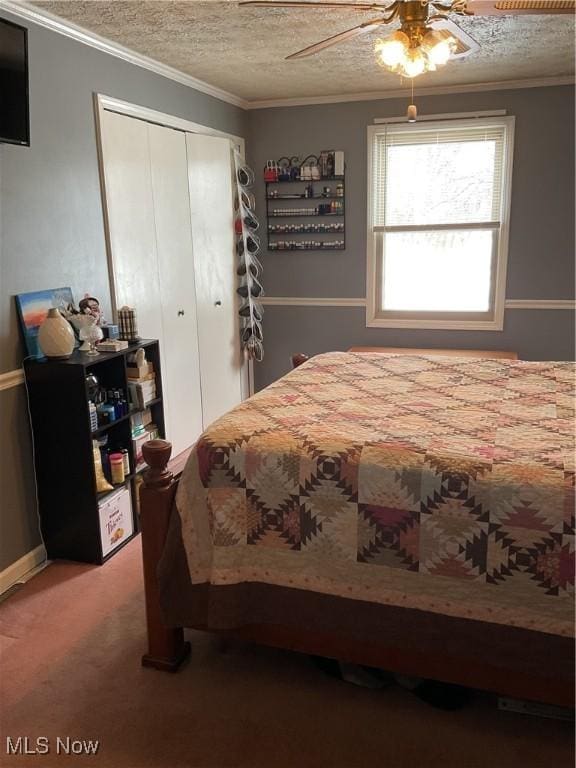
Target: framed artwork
x=32 y=309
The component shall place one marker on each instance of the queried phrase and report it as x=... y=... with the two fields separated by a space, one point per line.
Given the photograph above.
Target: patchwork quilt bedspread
x=436 y=486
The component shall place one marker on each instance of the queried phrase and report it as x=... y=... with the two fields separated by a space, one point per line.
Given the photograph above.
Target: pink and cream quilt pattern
x=432 y=483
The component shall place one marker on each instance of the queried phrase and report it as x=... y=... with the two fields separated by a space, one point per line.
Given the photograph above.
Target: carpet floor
x=71 y=641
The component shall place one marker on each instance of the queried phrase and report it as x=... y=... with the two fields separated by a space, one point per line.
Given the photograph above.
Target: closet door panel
x=177 y=285
x=211 y=203
x=130 y=210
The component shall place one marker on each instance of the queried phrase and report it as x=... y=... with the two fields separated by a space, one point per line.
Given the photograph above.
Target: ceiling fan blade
x=361 y=29
x=448 y=28
x=514 y=7
x=314 y=4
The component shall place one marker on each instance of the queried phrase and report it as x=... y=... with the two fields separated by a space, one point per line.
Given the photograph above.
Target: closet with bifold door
x=170 y=226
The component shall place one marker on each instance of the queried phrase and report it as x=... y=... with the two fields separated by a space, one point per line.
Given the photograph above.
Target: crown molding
x=45 y=19
x=504 y=85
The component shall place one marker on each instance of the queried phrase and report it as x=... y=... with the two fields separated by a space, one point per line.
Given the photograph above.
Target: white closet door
x=130 y=209
x=211 y=202
x=177 y=289
x=148 y=207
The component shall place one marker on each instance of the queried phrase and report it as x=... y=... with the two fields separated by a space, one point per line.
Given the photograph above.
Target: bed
x=407 y=511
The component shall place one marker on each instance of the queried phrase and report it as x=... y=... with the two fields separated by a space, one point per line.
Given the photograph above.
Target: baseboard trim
x=22 y=569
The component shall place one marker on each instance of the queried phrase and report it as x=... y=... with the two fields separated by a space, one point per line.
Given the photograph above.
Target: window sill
x=445 y=325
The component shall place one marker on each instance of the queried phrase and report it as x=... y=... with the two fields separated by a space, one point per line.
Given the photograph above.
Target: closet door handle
x=180 y=313
x=218 y=303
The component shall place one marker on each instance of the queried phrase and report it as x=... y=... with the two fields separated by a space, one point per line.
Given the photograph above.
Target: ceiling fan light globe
x=415 y=63
x=392 y=50
x=438 y=48
x=440 y=53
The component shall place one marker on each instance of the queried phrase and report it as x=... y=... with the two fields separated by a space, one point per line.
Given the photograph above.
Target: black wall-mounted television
x=14 y=115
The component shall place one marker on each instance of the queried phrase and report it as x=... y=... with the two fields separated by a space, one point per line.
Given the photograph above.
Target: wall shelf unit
x=75 y=517
x=304 y=199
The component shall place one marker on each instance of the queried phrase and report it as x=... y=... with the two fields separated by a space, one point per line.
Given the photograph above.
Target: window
x=439 y=198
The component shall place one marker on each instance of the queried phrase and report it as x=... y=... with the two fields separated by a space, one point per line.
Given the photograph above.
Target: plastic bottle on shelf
x=125 y=461
x=93 y=416
x=117 y=468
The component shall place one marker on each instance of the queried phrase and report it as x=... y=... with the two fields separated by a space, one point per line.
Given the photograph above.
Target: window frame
x=493 y=320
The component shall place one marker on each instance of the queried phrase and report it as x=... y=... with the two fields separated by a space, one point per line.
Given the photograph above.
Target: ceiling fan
x=427 y=37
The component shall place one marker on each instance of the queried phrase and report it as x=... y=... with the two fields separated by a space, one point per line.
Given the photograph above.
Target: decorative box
x=116 y=524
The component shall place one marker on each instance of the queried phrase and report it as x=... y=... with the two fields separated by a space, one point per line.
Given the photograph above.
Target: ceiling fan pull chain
x=412 y=111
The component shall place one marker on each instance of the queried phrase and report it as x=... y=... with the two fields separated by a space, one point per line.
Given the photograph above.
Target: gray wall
x=541 y=255
x=51 y=224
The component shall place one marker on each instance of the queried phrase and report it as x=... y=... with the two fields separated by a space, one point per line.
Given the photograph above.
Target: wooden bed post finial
x=299 y=359
x=166 y=646
x=156 y=454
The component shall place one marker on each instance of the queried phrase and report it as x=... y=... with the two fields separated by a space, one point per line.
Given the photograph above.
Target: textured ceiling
x=241 y=49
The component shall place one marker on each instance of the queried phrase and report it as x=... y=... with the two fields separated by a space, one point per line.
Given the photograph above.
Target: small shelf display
x=90 y=417
x=314 y=188
x=306 y=245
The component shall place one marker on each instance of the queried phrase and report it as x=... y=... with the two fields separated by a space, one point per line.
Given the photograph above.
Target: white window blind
x=438 y=199
x=438 y=176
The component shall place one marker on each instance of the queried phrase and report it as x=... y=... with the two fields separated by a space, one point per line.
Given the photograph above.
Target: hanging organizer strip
x=249 y=268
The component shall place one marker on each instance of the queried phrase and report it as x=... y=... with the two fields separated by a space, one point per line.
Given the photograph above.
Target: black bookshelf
x=68 y=498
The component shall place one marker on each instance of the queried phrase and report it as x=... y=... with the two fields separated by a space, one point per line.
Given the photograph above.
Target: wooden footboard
x=167 y=648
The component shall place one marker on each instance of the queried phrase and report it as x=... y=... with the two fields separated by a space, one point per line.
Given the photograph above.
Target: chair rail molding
x=305 y=301
x=11 y=379
x=14 y=378
x=360 y=301
x=540 y=304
